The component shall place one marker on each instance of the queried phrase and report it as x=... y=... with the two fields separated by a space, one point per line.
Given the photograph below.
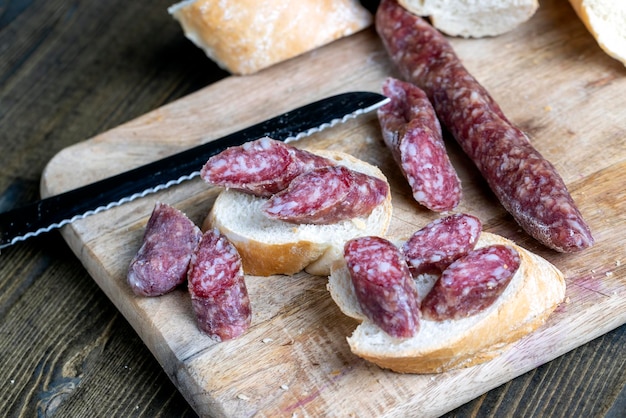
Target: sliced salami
x=308 y=161
x=434 y=247
x=412 y=132
x=262 y=167
x=161 y=263
x=218 y=290
x=526 y=184
x=327 y=195
x=383 y=285
x=472 y=283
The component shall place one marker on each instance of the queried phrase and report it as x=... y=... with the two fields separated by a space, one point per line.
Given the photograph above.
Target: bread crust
x=474 y=19
x=263 y=259
x=277 y=247
x=245 y=36
x=535 y=291
x=605 y=20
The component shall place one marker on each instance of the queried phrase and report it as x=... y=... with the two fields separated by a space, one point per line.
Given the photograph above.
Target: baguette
x=245 y=36
x=532 y=295
x=471 y=18
x=606 y=21
x=269 y=246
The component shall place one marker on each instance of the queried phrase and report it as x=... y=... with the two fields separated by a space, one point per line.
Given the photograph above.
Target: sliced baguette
x=531 y=296
x=270 y=247
x=472 y=18
x=245 y=36
x=606 y=21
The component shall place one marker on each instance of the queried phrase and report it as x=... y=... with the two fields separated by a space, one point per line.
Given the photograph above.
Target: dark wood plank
x=70 y=70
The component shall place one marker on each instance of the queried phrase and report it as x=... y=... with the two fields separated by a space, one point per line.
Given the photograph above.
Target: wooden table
x=69 y=71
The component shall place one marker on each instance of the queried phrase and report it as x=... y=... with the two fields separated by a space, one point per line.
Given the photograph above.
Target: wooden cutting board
x=549 y=76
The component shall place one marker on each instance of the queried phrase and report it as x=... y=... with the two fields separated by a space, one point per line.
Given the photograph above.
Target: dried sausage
x=412 y=132
x=262 y=167
x=161 y=263
x=526 y=184
x=434 y=247
x=383 y=285
x=218 y=290
x=471 y=283
x=308 y=161
x=327 y=195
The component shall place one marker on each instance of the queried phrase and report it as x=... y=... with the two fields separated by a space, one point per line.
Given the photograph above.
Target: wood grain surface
x=306 y=352
x=78 y=356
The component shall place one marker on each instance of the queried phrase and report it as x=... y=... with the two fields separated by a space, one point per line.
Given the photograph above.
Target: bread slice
x=471 y=18
x=606 y=20
x=270 y=246
x=245 y=36
x=531 y=296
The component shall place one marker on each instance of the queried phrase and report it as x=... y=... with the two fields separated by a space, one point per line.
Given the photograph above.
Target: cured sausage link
x=383 y=285
x=218 y=291
x=472 y=283
x=412 y=132
x=526 y=184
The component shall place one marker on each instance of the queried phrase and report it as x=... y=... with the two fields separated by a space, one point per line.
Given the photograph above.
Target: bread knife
x=56 y=211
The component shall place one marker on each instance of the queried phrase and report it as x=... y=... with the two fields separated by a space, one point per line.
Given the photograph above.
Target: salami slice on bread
x=534 y=292
x=270 y=246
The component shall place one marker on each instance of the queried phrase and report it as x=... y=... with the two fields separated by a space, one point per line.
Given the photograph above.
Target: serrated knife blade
x=56 y=211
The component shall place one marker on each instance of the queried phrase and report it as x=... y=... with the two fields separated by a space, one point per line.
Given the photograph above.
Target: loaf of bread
x=269 y=246
x=471 y=18
x=532 y=295
x=606 y=20
x=245 y=36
